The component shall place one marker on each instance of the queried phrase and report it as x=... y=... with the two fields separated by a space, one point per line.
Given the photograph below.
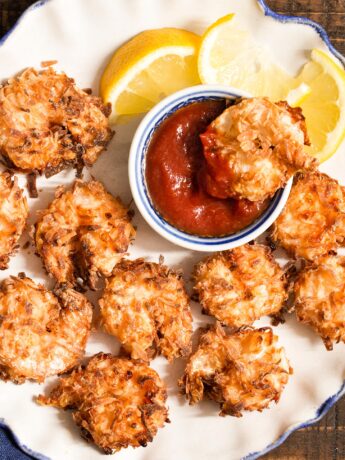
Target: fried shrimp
x=320 y=298
x=313 y=221
x=241 y=285
x=253 y=148
x=42 y=333
x=116 y=402
x=48 y=123
x=83 y=233
x=146 y=307
x=244 y=371
x=13 y=214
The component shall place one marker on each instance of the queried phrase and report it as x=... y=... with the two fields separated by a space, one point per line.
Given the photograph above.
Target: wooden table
x=324 y=440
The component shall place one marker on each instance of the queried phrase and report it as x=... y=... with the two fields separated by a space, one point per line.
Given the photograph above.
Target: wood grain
x=326 y=439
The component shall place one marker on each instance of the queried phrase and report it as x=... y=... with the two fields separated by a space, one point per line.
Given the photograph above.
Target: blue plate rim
x=22 y=446
x=331 y=400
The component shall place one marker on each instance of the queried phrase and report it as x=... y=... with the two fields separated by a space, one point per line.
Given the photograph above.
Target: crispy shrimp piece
x=253 y=148
x=48 y=123
x=13 y=215
x=244 y=371
x=146 y=307
x=42 y=333
x=241 y=285
x=116 y=402
x=313 y=221
x=320 y=298
x=83 y=233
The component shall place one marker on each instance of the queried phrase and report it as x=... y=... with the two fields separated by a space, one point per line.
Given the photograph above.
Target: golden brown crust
x=83 y=233
x=41 y=333
x=145 y=305
x=240 y=285
x=13 y=215
x=320 y=298
x=254 y=147
x=116 y=402
x=48 y=123
x=297 y=117
x=242 y=371
x=312 y=223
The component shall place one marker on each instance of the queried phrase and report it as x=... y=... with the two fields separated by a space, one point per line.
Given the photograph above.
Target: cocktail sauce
x=175 y=176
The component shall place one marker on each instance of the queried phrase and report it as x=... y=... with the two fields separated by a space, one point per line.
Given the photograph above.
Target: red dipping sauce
x=176 y=171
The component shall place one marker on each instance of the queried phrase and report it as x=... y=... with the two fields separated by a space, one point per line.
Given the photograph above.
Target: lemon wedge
x=229 y=55
x=324 y=108
x=150 y=66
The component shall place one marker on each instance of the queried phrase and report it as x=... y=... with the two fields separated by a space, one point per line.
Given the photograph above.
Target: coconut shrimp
x=13 y=215
x=320 y=298
x=243 y=371
x=47 y=123
x=312 y=223
x=116 y=402
x=42 y=333
x=146 y=307
x=253 y=148
x=83 y=234
x=240 y=285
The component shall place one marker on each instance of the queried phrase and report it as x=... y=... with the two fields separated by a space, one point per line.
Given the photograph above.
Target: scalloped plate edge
x=22 y=446
x=331 y=400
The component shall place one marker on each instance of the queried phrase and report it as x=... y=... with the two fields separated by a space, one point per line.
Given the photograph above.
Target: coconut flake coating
x=13 y=215
x=253 y=148
x=116 y=402
x=42 y=333
x=145 y=305
x=48 y=123
x=320 y=298
x=313 y=221
x=240 y=285
x=243 y=371
x=83 y=233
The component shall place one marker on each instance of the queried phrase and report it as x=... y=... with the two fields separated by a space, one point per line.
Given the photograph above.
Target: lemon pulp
x=150 y=66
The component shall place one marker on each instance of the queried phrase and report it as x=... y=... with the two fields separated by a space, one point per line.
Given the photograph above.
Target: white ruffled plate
x=81 y=35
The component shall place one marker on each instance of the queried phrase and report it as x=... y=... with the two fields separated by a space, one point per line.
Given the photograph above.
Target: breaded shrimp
x=253 y=148
x=13 y=215
x=244 y=371
x=47 y=123
x=42 y=333
x=313 y=221
x=146 y=307
x=320 y=298
x=83 y=233
x=240 y=285
x=116 y=402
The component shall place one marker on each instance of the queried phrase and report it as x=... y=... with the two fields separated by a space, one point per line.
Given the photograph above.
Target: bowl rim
x=136 y=168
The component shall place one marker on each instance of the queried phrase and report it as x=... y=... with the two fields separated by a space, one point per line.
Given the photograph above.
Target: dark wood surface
x=324 y=440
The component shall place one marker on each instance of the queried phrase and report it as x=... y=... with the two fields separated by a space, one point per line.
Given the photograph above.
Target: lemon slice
x=150 y=66
x=229 y=55
x=324 y=108
x=297 y=96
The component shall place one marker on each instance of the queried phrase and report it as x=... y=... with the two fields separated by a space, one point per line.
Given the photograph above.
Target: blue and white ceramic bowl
x=137 y=165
